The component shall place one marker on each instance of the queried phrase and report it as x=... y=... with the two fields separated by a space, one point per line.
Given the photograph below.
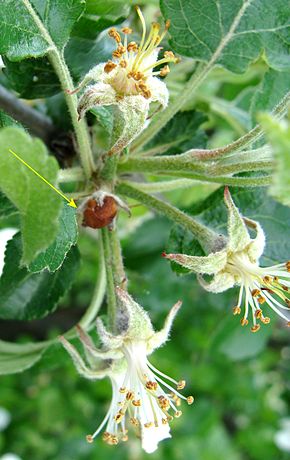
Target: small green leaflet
x=25 y=295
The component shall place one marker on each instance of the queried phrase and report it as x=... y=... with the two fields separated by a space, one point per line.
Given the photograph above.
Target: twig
x=36 y=123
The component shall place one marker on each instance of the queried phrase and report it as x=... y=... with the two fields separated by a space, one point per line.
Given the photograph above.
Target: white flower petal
x=257 y=245
x=152 y=436
x=149 y=61
x=159 y=91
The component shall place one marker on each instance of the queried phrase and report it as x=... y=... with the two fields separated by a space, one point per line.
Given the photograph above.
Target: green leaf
x=230 y=33
x=278 y=134
x=181 y=133
x=105 y=117
x=182 y=242
x=6 y=120
x=39 y=206
x=52 y=259
x=82 y=54
x=271 y=90
x=113 y=8
x=32 y=78
x=89 y=28
x=236 y=342
x=17 y=358
x=29 y=28
x=25 y=295
x=255 y=204
x=6 y=207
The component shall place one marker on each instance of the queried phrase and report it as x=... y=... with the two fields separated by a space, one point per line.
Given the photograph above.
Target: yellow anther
x=164 y=421
x=265 y=320
x=169 y=55
x=132 y=46
x=164 y=71
x=122 y=390
x=261 y=300
x=138 y=76
x=127 y=30
x=116 y=54
x=256 y=292
x=123 y=63
x=129 y=395
x=163 y=402
x=236 y=310
x=244 y=322
x=89 y=438
x=190 y=400
x=181 y=384
x=118 y=417
x=258 y=314
x=113 y=440
x=177 y=414
x=136 y=402
x=148 y=425
x=288 y=266
x=134 y=421
x=288 y=324
x=151 y=385
x=109 y=66
x=144 y=91
x=115 y=35
x=255 y=328
x=267 y=279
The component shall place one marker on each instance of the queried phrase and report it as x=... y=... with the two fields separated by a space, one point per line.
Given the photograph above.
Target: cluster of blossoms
x=143 y=396
x=238 y=264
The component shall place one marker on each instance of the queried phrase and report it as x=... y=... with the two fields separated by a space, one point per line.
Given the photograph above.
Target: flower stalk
x=187 y=163
x=110 y=276
x=209 y=240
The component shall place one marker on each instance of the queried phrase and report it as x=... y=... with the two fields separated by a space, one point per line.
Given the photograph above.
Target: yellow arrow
x=70 y=201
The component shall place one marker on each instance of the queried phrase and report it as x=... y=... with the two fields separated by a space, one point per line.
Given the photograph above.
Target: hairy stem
x=111 y=293
x=108 y=172
x=252 y=181
x=58 y=62
x=185 y=162
x=70 y=175
x=163 y=186
x=80 y=127
x=207 y=237
x=119 y=272
x=249 y=138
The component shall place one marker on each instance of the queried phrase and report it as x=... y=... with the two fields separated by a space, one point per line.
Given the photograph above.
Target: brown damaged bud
x=100 y=215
